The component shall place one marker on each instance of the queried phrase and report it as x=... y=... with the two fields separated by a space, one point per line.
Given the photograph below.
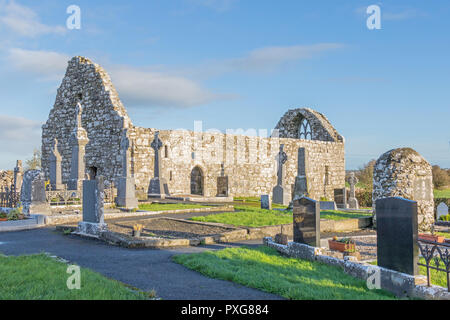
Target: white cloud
x=18 y=138
x=48 y=64
x=135 y=87
x=159 y=89
x=270 y=58
x=24 y=21
x=267 y=59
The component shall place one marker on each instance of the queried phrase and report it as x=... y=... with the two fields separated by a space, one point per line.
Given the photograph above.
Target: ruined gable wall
x=103 y=118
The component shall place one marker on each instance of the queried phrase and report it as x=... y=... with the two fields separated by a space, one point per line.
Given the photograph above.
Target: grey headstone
x=55 y=168
x=93 y=200
x=352 y=201
x=397 y=233
x=340 y=197
x=222 y=186
x=266 y=202
x=328 y=205
x=441 y=210
x=126 y=193
x=33 y=197
x=301 y=181
x=307 y=221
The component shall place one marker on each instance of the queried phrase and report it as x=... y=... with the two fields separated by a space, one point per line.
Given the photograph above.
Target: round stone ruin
x=405 y=173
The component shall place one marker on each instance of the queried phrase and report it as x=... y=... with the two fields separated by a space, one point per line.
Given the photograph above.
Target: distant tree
x=440 y=177
x=34 y=162
x=365 y=174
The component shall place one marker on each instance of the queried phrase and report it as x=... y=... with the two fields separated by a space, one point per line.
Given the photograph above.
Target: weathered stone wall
x=6 y=179
x=103 y=118
x=405 y=173
x=249 y=162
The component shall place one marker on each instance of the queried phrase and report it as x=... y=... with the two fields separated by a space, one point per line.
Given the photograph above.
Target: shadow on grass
x=265 y=269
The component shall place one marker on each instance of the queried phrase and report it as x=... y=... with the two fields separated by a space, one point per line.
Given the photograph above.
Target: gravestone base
x=126 y=194
x=280 y=196
x=328 y=205
x=353 y=203
x=91 y=229
x=39 y=208
x=158 y=186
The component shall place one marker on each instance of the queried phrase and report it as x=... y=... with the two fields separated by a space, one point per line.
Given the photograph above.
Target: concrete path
x=145 y=269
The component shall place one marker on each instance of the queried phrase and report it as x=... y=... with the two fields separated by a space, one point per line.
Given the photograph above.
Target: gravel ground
x=166 y=228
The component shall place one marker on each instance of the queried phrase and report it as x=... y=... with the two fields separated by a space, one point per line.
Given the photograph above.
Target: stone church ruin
x=82 y=138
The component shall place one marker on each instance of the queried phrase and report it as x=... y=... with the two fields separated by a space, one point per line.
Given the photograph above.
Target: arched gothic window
x=304 y=130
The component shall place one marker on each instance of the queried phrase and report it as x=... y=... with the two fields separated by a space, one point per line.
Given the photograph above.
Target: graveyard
x=215 y=152
x=304 y=220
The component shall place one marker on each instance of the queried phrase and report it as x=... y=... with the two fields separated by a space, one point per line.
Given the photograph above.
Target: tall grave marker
x=126 y=189
x=307 y=221
x=158 y=185
x=280 y=194
x=397 y=247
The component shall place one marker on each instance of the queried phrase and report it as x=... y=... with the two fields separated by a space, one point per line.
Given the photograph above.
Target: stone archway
x=197 y=181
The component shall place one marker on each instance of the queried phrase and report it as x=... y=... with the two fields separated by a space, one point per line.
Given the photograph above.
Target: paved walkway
x=145 y=269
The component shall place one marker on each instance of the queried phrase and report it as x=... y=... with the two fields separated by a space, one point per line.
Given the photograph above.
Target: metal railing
x=9 y=199
x=437 y=257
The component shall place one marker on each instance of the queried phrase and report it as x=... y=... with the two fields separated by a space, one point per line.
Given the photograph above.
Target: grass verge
x=442 y=193
x=40 y=277
x=256 y=217
x=265 y=269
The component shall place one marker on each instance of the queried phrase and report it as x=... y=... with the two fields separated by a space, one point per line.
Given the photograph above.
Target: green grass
x=342 y=215
x=249 y=217
x=256 y=217
x=39 y=277
x=169 y=206
x=442 y=193
x=265 y=269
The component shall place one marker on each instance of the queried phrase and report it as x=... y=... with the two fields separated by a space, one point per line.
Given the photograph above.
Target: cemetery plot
x=167 y=228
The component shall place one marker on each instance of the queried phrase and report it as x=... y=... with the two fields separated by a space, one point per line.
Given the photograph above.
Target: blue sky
x=239 y=64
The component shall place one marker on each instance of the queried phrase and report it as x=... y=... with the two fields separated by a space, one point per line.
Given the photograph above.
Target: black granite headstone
x=340 y=197
x=397 y=247
x=307 y=221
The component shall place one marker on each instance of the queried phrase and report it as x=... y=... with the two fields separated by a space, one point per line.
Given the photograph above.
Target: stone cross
x=281 y=160
x=353 y=180
x=125 y=148
x=156 y=146
x=78 y=142
x=18 y=173
x=352 y=201
x=158 y=185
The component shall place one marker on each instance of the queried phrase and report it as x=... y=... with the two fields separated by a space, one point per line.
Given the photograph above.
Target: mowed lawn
x=40 y=277
x=265 y=269
x=169 y=206
x=255 y=217
x=442 y=193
